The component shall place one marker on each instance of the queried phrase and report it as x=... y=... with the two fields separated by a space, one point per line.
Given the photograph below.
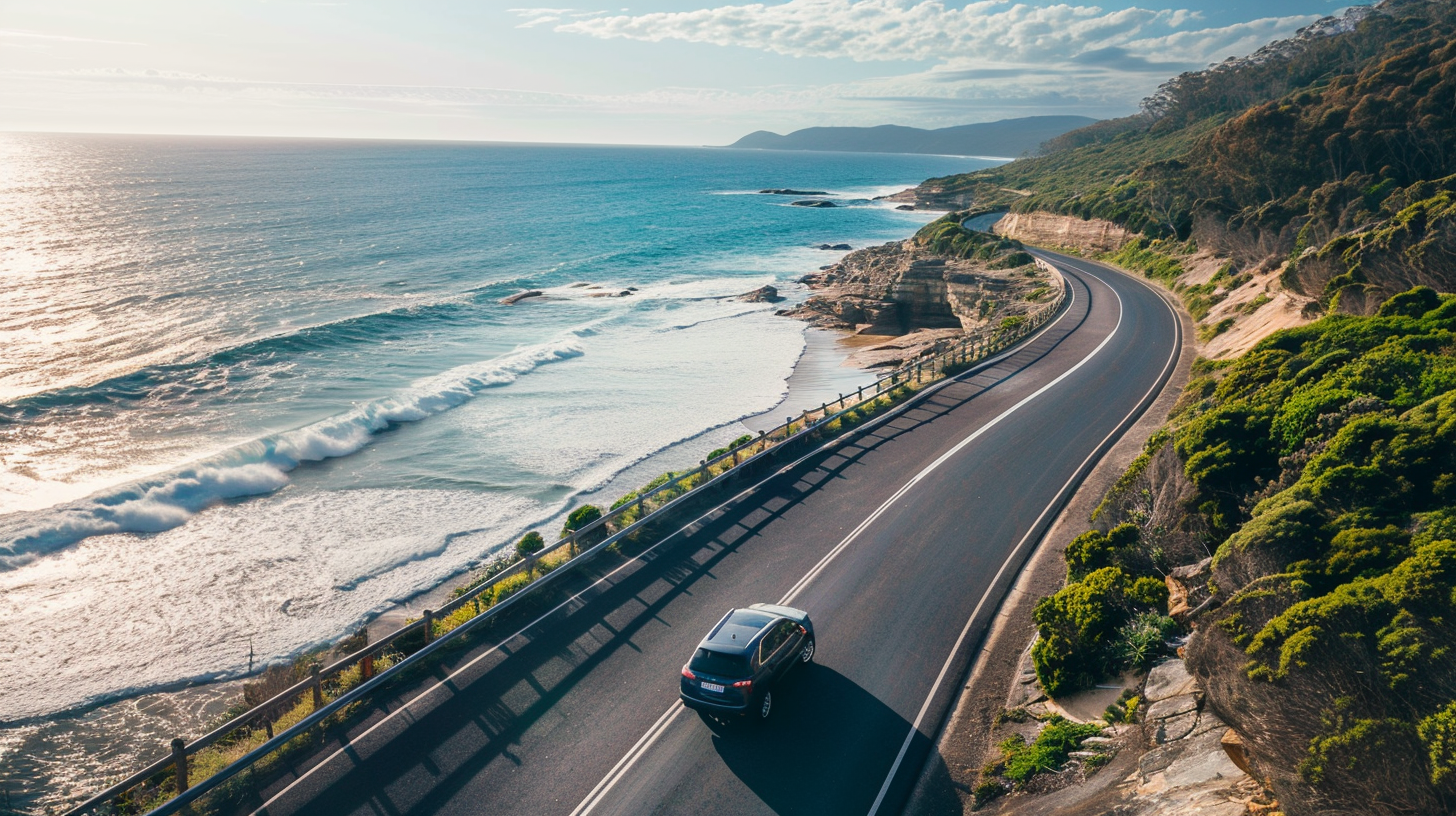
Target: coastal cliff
x=1286 y=539
x=945 y=283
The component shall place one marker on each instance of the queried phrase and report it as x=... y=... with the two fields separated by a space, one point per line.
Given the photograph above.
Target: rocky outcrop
x=898 y=288
x=763 y=294
x=818 y=203
x=1046 y=229
x=925 y=301
x=520 y=296
x=787 y=191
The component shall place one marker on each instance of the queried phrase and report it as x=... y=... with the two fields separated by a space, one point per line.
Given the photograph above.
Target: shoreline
x=819 y=375
x=124 y=734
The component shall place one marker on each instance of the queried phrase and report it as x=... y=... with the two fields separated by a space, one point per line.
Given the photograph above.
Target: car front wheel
x=765 y=706
x=808 y=652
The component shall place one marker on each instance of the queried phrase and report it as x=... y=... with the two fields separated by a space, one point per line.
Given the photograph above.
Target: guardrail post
x=179 y=759
x=318 y=686
x=268 y=726
x=429 y=626
x=366 y=663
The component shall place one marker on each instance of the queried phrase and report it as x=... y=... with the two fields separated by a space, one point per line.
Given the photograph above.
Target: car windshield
x=719 y=664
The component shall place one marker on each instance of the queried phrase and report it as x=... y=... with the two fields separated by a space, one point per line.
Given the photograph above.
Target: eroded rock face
x=898 y=288
x=1168 y=680
x=1046 y=229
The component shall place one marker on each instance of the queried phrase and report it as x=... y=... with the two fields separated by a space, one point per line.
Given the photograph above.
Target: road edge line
x=1058 y=503
x=874 y=423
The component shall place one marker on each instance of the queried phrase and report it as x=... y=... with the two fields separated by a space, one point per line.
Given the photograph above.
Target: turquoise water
x=259 y=390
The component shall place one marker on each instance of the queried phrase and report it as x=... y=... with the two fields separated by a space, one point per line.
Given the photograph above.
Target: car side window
x=774 y=639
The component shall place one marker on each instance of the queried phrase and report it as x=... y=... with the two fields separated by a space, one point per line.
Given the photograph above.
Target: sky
x=657 y=72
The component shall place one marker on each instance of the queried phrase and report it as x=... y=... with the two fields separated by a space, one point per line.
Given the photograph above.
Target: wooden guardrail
x=703 y=478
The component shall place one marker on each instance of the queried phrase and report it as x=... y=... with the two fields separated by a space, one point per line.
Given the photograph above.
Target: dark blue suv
x=734 y=669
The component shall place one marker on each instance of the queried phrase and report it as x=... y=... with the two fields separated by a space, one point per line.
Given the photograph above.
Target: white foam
x=257 y=467
x=286 y=571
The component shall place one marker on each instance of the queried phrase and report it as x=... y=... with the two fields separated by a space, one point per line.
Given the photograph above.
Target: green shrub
x=1075 y=627
x=1148 y=593
x=581 y=517
x=1094 y=550
x=531 y=542
x=1047 y=752
x=986 y=790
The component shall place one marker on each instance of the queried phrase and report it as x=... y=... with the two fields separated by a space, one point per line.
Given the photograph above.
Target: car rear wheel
x=808 y=652
x=766 y=705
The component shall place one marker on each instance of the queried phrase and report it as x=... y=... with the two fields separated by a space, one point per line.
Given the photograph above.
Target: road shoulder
x=954 y=764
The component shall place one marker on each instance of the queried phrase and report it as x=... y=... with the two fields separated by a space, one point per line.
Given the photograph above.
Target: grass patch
x=1020 y=760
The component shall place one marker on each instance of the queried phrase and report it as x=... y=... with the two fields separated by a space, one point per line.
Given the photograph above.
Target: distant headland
x=1008 y=138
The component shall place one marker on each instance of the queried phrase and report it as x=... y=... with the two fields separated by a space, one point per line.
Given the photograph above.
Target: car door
x=776 y=644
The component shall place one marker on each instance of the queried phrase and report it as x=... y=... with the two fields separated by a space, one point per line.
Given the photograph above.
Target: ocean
x=253 y=392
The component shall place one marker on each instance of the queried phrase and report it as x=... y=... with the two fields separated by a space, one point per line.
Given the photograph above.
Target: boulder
x=1233 y=748
x=1170 y=679
x=1172 y=707
x=1187 y=586
x=839 y=247
x=520 y=296
x=906 y=207
x=820 y=203
x=763 y=294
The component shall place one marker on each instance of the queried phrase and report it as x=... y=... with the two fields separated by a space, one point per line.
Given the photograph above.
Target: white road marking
x=605 y=786
x=646 y=741
x=925 y=707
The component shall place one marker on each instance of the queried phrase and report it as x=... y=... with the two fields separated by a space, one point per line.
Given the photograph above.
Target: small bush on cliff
x=1078 y=628
x=1048 y=752
x=1095 y=549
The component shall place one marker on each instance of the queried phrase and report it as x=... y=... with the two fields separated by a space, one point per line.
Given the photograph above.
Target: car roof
x=795 y=615
x=735 y=633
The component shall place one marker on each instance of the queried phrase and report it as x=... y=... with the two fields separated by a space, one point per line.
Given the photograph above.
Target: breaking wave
x=259 y=466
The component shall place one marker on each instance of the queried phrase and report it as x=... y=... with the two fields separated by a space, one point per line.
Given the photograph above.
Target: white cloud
x=927 y=30
x=13 y=34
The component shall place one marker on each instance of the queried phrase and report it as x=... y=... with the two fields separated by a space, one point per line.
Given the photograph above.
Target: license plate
x=713 y=687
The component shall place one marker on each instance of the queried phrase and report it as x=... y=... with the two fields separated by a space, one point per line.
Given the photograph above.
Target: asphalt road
x=900 y=543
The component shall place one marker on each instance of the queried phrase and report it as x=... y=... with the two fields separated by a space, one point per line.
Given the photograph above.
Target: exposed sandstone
x=924 y=301
x=1046 y=229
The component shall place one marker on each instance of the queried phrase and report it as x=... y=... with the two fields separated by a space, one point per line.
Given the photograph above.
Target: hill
x=1307 y=470
x=1326 y=157
x=1007 y=138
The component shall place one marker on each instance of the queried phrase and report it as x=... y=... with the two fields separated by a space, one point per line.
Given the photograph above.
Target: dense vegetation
x=1321 y=467
x=946 y=236
x=1337 y=153
x=1328 y=457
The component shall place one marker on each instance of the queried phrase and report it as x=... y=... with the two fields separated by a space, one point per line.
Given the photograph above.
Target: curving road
x=900 y=543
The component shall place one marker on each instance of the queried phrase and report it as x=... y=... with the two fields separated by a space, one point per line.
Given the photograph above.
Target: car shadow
x=825 y=748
